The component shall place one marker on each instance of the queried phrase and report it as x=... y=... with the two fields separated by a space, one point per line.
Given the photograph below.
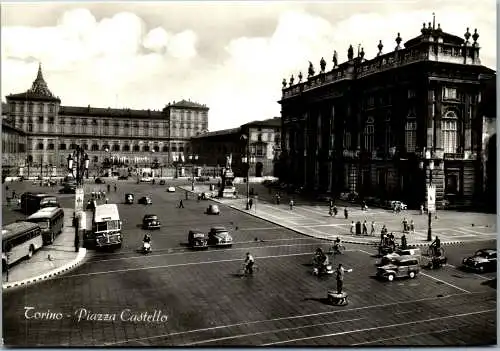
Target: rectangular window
x=411 y=136
x=347 y=140
x=388 y=137
x=449 y=93
x=449 y=130
x=369 y=137
x=411 y=93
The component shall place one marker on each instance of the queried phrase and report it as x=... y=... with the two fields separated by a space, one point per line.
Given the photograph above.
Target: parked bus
x=107 y=226
x=51 y=222
x=19 y=240
x=32 y=202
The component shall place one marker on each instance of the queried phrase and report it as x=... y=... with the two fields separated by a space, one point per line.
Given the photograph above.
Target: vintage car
x=197 y=239
x=219 y=236
x=171 y=189
x=162 y=182
x=151 y=221
x=213 y=209
x=483 y=260
x=394 y=205
x=68 y=188
x=99 y=181
x=390 y=257
x=145 y=200
x=401 y=267
x=129 y=199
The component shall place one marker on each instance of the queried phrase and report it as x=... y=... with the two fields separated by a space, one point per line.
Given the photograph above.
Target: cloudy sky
x=231 y=56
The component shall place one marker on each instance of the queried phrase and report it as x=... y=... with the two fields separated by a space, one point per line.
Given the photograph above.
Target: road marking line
x=200 y=252
x=267 y=332
x=442 y=281
x=177 y=265
x=476 y=232
x=404 y=336
x=265 y=228
x=376 y=328
x=366 y=252
x=291 y=317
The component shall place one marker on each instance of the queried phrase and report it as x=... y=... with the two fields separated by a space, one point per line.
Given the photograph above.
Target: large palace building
x=122 y=137
x=374 y=126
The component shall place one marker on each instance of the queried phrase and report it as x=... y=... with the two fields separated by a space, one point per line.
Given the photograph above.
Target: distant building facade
x=259 y=139
x=367 y=125
x=14 y=143
x=111 y=137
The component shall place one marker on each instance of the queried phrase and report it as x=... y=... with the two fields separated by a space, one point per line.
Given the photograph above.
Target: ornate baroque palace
x=119 y=137
x=374 y=126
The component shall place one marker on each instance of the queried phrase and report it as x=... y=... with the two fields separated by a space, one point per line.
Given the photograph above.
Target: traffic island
x=336 y=299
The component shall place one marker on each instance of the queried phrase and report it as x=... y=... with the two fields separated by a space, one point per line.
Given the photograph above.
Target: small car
x=162 y=181
x=483 y=260
x=213 y=210
x=171 y=189
x=389 y=258
x=145 y=200
x=146 y=180
x=219 y=236
x=151 y=221
x=398 y=204
x=129 y=199
x=401 y=267
x=99 y=181
x=197 y=239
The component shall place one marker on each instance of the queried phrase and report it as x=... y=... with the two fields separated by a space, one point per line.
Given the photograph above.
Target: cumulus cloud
x=138 y=60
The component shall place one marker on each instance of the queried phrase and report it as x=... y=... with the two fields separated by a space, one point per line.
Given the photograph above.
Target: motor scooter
x=146 y=247
x=323 y=269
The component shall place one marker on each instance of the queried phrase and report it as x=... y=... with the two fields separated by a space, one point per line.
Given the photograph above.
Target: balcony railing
x=454 y=156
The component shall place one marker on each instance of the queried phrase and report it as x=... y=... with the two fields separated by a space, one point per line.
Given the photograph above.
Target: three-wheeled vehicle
x=129 y=199
x=435 y=258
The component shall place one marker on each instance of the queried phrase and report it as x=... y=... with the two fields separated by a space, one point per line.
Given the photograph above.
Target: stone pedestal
x=337 y=299
x=228 y=192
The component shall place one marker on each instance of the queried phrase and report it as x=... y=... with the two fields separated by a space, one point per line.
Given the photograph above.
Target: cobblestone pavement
x=207 y=303
x=312 y=219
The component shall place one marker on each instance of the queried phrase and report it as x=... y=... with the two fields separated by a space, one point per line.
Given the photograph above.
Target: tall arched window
x=411 y=132
x=369 y=135
x=388 y=132
x=449 y=128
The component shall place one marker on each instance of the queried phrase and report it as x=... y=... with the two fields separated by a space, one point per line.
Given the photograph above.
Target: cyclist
x=249 y=262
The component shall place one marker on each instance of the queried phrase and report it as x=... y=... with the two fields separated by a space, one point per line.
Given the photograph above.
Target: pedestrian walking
x=77 y=240
x=365 y=228
x=421 y=209
x=278 y=198
x=250 y=203
x=107 y=200
x=115 y=188
x=352 y=227
x=346 y=213
x=335 y=211
x=109 y=188
x=181 y=204
x=372 y=232
x=404 y=243
x=291 y=204
x=405 y=225
x=412 y=226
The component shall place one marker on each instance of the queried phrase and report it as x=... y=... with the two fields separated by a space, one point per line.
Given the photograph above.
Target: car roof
x=150 y=215
x=219 y=228
x=406 y=258
x=490 y=251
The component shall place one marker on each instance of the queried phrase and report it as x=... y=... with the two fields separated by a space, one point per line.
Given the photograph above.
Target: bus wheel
x=30 y=252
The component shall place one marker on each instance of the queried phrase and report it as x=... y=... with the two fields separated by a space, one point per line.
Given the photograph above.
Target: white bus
x=51 y=222
x=19 y=240
x=107 y=226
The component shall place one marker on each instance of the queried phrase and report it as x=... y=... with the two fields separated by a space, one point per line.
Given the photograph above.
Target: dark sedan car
x=145 y=200
x=482 y=261
x=197 y=239
x=151 y=221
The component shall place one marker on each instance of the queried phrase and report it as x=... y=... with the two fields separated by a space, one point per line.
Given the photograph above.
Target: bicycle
x=242 y=271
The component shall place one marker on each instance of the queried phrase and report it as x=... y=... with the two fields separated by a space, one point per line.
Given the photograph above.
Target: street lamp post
x=247 y=159
x=81 y=160
x=192 y=158
x=430 y=166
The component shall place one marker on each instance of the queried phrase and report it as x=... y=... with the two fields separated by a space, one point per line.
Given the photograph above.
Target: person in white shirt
x=249 y=262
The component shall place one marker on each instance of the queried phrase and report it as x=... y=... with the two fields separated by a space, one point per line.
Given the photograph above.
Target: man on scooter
x=147 y=238
x=336 y=245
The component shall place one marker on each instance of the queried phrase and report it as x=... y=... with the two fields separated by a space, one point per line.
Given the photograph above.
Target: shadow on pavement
x=323 y=300
x=492 y=283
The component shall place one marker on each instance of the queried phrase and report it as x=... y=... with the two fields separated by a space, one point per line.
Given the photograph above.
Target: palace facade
x=121 y=137
x=261 y=140
x=372 y=126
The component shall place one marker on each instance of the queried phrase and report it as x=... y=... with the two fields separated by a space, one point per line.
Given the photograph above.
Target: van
x=400 y=267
